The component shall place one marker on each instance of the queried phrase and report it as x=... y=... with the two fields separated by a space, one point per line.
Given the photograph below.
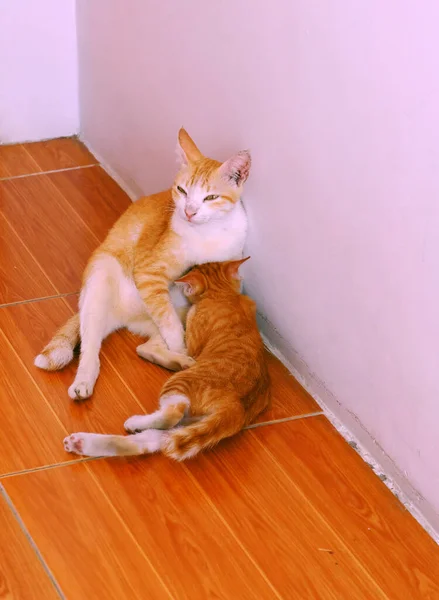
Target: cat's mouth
x=193 y=220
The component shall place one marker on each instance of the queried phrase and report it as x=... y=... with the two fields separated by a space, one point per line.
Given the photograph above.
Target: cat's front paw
x=186 y=362
x=174 y=339
x=80 y=390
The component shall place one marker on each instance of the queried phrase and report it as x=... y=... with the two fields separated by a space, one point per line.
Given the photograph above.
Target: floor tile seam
x=50 y=171
x=31 y=542
x=39 y=299
x=5 y=478
x=284 y=420
x=48 y=467
x=23 y=364
x=94 y=458
x=69 y=206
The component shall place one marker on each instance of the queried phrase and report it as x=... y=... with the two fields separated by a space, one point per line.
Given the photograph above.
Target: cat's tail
x=59 y=351
x=185 y=442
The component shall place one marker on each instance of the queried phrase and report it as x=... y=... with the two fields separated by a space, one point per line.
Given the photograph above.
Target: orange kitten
x=126 y=282
x=226 y=389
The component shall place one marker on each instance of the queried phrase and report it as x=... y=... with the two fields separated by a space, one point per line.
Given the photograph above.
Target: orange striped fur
x=127 y=280
x=226 y=388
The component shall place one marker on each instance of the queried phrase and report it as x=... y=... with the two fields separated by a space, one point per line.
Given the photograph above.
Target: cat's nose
x=189 y=214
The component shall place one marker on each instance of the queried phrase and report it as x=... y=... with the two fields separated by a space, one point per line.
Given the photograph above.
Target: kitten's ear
x=237 y=169
x=232 y=267
x=187 y=150
x=192 y=283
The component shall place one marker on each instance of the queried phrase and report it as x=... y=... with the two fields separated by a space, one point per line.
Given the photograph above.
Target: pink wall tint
x=38 y=70
x=338 y=102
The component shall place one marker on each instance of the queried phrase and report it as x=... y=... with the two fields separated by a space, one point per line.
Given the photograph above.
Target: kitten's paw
x=135 y=424
x=80 y=390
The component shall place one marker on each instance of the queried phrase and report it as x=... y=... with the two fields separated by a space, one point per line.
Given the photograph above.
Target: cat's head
x=206 y=189
x=213 y=279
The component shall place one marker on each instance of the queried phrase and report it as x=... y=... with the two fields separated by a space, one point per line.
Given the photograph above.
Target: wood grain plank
x=94 y=196
x=31 y=434
x=28 y=327
x=394 y=549
x=15 y=160
x=21 y=277
x=182 y=536
x=277 y=526
x=22 y=575
x=51 y=230
x=87 y=547
x=60 y=153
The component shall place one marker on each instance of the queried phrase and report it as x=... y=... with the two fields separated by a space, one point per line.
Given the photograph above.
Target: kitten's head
x=213 y=279
x=206 y=189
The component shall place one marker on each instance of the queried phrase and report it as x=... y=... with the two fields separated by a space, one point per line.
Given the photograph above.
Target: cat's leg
x=173 y=409
x=154 y=291
x=95 y=444
x=98 y=296
x=156 y=351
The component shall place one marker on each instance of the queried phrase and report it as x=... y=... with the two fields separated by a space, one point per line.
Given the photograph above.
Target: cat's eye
x=211 y=197
x=181 y=190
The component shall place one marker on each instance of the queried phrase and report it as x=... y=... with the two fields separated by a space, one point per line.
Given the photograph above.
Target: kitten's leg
x=173 y=408
x=96 y=322
x=95 y=444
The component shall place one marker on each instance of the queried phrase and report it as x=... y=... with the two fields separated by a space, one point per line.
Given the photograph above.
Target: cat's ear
x=192 y=283
x=237 y=169
x=187 y=150
x=232 y=267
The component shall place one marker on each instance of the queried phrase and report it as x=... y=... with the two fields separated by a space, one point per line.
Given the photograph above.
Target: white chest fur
x=214 y=241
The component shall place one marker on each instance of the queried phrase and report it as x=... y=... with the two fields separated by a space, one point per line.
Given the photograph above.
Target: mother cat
x=126 y=282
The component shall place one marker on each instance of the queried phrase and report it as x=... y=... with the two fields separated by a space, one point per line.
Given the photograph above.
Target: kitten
x=226 y=389
x=126 y=282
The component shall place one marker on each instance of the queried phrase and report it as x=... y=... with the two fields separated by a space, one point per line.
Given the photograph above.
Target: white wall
x=38 y=70
x=338 y=101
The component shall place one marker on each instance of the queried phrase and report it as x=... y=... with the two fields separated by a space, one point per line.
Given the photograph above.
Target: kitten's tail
x=59 y=351
x=186 y=442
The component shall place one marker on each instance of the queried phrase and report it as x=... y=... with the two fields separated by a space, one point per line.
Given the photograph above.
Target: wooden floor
x=284 y=510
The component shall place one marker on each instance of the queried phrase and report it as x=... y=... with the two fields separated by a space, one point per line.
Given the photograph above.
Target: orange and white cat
x=126 y=282
x=225 y=390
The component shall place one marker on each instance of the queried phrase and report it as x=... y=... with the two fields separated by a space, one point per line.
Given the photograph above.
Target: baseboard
x=349 y=426
x=35 y=141
x=133 y=194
